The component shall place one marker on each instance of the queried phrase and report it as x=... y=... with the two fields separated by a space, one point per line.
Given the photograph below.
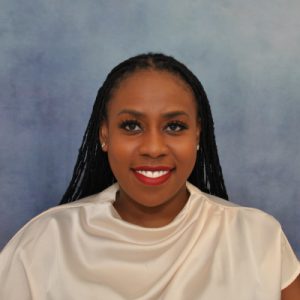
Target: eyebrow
x=167 y=115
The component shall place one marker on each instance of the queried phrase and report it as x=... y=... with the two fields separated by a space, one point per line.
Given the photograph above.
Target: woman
x=142 y=231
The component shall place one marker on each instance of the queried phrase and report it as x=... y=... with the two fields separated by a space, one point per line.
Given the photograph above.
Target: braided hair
x=92 y=172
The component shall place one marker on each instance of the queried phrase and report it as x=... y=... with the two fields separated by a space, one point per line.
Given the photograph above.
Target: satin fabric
x=213 y=249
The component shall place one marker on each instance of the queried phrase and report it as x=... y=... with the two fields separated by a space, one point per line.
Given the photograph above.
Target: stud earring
x=103 y=145
x=197 y=147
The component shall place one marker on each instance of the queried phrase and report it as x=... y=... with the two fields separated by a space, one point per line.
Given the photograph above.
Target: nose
x=153 y=144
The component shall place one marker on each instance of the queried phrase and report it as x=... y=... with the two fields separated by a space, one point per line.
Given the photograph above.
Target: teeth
x=152 y=174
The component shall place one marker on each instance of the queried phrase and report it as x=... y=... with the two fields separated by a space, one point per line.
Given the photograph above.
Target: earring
x=103 y=145
x=197 y=147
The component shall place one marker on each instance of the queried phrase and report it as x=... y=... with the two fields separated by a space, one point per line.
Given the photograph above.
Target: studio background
x=54 y=55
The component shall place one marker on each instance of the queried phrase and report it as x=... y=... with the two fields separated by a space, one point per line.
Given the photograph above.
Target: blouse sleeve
x=290 y=265
x=14 y=280
x=32 y=246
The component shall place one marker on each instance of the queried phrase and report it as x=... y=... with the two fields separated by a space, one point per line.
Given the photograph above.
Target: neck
x=152 y=217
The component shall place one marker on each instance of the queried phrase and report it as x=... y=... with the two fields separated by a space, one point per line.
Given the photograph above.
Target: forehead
x=152 y=91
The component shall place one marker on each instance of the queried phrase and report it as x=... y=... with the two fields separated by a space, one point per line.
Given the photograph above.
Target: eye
x=176 y=126
x=131 y=126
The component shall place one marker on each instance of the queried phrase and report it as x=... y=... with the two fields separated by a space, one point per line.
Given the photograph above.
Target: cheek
x=120 y=153
x=185 y=152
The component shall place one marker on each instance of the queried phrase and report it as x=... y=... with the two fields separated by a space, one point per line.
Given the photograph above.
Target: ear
x=103 y=136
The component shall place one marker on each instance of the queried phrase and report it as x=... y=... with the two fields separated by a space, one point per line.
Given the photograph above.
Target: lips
x=152 y=175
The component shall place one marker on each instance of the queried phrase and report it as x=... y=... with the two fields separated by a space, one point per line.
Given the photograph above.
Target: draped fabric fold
x=213 y=249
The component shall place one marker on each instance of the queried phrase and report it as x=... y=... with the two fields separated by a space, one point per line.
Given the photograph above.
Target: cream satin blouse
x=212 y=250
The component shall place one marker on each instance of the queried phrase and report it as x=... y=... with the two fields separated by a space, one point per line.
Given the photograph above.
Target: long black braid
x=92 y=172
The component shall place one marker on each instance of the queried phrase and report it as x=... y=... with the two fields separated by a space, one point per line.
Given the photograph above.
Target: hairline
x=151 y=67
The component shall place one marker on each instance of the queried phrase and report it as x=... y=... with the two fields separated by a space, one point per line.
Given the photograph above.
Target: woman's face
x=151 y=136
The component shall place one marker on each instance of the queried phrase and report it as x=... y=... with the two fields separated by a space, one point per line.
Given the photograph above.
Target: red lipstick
x=151 y=175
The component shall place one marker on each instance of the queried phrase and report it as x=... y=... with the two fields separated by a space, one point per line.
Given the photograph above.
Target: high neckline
x=123 y=230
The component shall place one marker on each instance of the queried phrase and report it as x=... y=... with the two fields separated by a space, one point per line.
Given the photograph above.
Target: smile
x=152 y=175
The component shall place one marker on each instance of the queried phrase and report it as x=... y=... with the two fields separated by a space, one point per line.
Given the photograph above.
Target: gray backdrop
x=54 y=55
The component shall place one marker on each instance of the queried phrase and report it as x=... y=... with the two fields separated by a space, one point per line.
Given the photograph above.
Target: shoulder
x=251 y=234
x=239 y=217
x=54 y=221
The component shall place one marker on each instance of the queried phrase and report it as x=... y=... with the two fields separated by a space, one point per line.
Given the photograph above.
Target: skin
x=157 y=104
x=292 y=292
x=147 y=97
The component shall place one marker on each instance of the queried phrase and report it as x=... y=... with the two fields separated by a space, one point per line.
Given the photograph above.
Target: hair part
x=92 y=172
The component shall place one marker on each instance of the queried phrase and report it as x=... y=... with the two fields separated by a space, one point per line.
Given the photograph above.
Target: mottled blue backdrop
x=55 y=54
